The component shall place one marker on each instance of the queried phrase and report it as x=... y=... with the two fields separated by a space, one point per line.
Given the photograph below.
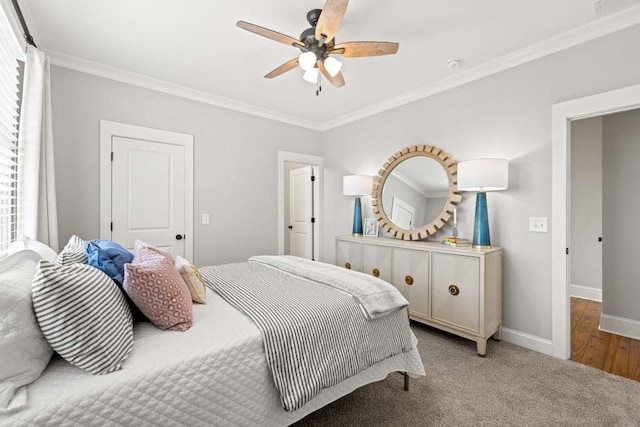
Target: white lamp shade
x=332 y=65
x=307 y=61
x=357 y=185
x=483 y=175
x=311 y=76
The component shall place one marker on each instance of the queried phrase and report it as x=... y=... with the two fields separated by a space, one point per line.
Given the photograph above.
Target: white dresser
x=458 y=290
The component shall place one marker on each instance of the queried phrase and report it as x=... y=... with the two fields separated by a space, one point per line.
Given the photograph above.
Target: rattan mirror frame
x=454 y=197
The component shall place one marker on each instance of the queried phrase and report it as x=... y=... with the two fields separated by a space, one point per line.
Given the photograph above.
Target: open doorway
x=563 y=246
x=604 y=152
x=299 y=205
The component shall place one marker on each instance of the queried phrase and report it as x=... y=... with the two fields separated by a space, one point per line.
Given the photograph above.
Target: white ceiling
x=197 y=45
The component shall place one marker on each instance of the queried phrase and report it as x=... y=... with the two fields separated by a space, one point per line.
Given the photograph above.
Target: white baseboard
x=620 y=326
x=585 y=292
x=529 y=341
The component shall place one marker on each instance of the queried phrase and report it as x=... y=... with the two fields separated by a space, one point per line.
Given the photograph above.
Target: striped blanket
x=314 y=336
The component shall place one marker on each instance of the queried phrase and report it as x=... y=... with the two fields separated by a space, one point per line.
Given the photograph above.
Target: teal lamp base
x=481 y=237
x=357 y=217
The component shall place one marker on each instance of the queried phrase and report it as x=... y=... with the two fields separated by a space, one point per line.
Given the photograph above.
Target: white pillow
x=25 y=351
x=33 y=245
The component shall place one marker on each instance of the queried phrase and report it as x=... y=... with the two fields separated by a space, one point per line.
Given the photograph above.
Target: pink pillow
x=143 y=245
x=158 y=291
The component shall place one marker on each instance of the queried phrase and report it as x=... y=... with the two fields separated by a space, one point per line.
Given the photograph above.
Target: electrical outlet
x=205 y=219
x=539 y=225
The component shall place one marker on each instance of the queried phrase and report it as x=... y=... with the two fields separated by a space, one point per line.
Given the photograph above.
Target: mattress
x=213 y=374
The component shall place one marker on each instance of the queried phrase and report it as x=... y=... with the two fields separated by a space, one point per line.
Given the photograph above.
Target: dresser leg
x=482 y=347
x=498 y=335
x=406 y=381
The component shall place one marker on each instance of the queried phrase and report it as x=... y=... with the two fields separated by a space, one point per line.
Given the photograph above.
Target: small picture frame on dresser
x=370 y=227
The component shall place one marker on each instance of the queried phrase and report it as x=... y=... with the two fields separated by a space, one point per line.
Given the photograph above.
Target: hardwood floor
x=602 y=350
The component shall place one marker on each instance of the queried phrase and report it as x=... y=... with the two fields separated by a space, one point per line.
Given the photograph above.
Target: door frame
x=317 y=163
x=110 y=129
x=614 y=101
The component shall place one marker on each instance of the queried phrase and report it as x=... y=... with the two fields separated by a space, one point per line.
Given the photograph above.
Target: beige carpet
x=512 y=386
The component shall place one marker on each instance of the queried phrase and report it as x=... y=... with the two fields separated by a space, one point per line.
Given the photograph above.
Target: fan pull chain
x=319 y=85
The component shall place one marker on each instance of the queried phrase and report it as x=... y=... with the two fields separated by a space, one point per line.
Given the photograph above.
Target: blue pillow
x=108 y=257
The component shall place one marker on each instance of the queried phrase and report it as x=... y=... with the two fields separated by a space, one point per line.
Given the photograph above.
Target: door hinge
x=567 y=251
x=313 y=220
x=313 y=178
x=111 y=226
x=112 y=156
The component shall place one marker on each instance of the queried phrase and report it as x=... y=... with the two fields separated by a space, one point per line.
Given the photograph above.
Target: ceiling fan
x=317 y=44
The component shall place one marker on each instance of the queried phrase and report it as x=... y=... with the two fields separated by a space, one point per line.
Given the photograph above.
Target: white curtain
x=37 y=214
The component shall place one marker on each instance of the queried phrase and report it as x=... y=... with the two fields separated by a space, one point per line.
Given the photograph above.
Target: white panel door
x=300 y=205
x=148 y=194
x=402 y=214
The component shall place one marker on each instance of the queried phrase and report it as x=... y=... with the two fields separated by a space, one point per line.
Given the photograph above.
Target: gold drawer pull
x=454 y=290
x=408 y=280
x=376 y=272
x=347 y=266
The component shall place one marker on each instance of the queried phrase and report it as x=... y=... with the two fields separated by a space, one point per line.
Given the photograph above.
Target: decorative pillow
x=159 y=292
x=40 y=248
x=25 y=351
x=140 y=245
x=83 y=315
x=108 y=257
x=73 y=252
x=192 y=278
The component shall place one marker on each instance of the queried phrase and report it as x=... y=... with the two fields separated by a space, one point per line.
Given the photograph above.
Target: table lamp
x=483 y=175
x=357 y=185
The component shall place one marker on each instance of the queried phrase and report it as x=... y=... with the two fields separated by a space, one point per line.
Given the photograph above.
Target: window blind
x=9 y=97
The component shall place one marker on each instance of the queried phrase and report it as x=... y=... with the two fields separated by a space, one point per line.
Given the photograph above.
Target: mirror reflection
x=415 y=192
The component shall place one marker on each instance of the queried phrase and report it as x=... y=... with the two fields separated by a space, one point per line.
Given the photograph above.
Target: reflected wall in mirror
x=415 y=191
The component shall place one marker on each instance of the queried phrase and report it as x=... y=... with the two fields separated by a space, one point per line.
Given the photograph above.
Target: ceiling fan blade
x=360 y=49
x=270 y=34
x=330 y=19
x=337 y=80
x=287 y=66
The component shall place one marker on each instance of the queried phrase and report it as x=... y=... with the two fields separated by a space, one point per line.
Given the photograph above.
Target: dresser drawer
x=376 y=260
x=455 y=290
x=349 y=255
x=411 y=278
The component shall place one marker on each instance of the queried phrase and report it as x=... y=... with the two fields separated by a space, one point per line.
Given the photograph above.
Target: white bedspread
x=213 y=374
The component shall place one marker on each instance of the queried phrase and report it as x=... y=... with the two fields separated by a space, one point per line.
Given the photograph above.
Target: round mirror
x=415 y=191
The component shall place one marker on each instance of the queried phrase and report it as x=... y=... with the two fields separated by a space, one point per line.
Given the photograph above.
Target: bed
x=214 y=374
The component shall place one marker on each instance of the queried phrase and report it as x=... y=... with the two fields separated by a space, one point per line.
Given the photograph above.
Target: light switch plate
x=539 y=225
x=205 y=219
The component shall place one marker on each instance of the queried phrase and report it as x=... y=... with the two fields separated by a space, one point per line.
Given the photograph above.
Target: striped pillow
x=83 y=315
x=73 y=252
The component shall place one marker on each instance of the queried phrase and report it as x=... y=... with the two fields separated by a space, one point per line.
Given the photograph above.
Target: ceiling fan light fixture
x=332 y=65
x=307 y=61
x=311 y=75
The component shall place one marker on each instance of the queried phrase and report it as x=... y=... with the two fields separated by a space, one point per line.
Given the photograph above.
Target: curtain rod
x=27 y=35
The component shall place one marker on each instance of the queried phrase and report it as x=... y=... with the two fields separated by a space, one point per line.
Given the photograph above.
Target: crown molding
x=591 y=31
x=112 y=73
x=596 y=29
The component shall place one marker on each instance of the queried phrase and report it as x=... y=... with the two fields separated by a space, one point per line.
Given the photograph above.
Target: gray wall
x=586 y=202
x=621 y=153
x=235 y=161
x=505 y=115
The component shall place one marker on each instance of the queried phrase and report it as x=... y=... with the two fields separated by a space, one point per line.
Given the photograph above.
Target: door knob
x=599 y=239
x=178 y=236
x=290 y=227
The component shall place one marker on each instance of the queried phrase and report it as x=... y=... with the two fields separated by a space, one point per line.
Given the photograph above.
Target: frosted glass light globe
x=332 y=65
x=311 y=76
x=307 y=61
